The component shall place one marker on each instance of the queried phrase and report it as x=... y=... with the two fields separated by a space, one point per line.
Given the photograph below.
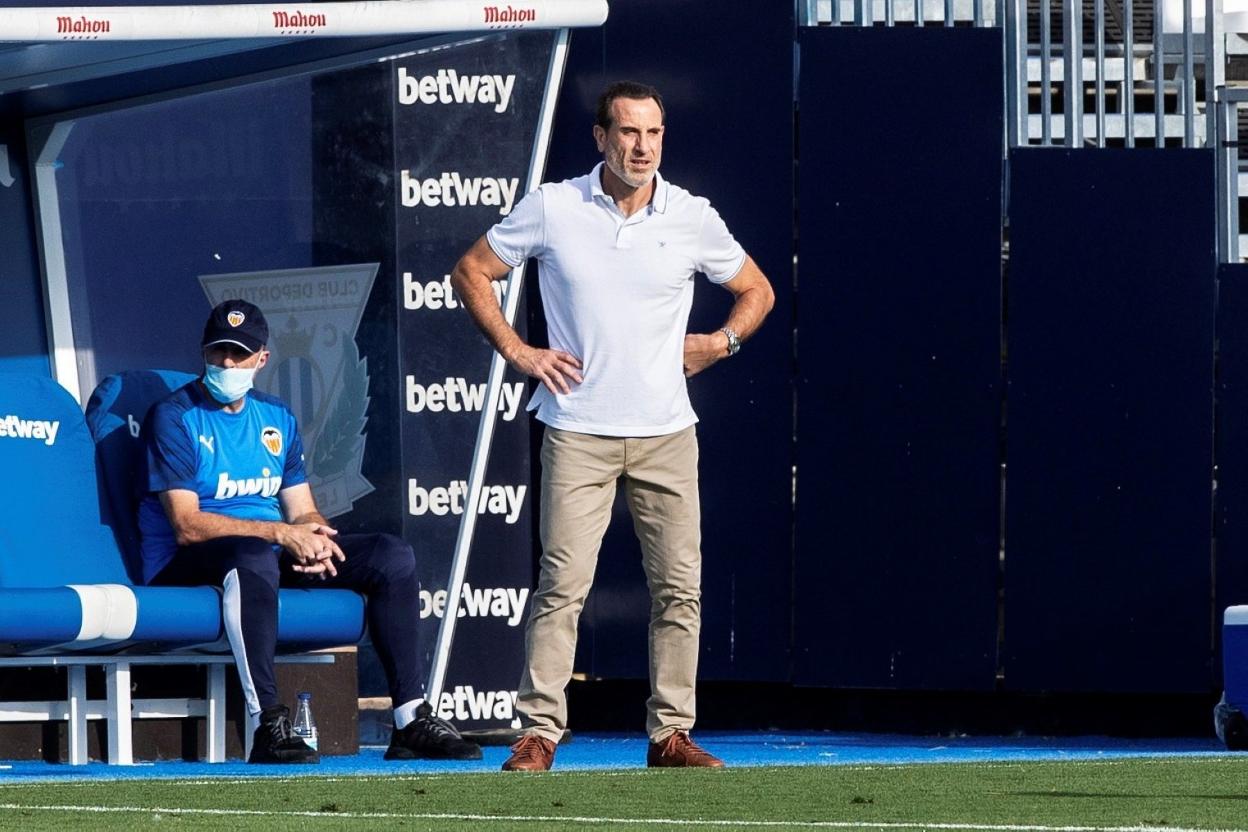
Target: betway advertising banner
x=465 y=123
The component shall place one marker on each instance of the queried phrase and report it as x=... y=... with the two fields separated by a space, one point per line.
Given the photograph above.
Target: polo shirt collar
x=657 y=203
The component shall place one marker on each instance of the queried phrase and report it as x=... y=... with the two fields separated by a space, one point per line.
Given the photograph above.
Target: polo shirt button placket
x=621 y=227
x=624 y=233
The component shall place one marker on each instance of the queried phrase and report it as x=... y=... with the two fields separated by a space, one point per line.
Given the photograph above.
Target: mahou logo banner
x=465 y=122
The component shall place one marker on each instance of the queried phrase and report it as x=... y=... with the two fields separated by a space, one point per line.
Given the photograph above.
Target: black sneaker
x=275 y=741
x=429 y=738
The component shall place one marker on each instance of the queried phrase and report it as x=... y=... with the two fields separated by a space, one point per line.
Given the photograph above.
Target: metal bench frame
x=118 y=708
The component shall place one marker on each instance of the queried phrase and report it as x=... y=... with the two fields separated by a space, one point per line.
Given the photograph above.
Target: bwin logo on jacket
x=264 y=485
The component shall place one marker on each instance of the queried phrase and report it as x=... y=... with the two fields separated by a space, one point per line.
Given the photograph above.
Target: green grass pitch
x=1205 y=793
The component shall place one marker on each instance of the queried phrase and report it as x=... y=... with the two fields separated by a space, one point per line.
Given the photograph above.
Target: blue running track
x=615 y=751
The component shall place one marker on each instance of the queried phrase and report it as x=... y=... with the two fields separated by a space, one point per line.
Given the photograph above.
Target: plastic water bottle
x=305 y=726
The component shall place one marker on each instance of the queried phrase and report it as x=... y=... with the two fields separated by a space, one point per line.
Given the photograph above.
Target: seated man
x=229 y=504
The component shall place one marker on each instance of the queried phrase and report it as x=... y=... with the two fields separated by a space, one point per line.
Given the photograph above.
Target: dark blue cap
x=236 y=322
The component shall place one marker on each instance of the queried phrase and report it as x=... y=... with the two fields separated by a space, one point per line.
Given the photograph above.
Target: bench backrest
x=51 y=528
x=115 y=414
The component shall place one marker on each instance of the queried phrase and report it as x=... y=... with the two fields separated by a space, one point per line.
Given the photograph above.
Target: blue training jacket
x=236 y=462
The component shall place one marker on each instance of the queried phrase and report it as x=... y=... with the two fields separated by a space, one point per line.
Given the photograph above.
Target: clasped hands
x=313 y=548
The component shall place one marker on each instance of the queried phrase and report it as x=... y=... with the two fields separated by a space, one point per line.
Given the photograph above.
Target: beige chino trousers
x=579 y=476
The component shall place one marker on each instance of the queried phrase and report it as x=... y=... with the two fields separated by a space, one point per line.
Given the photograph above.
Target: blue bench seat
x=69 y=559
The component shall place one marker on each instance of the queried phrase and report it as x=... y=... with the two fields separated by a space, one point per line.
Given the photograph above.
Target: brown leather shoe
x=532 y=753
x=680 y=751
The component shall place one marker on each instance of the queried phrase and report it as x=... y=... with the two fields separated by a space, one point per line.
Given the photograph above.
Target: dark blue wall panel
x=1231 y=446
x=1109 y=435
x=898 y=394
x=726 y=74
x=23 y=344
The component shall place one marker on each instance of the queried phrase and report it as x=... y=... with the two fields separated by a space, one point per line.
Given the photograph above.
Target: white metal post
x=117 y=687
x=215 y=727
x=489 y=413
x=55 y=274
x=77 y=727
x=1072 y=71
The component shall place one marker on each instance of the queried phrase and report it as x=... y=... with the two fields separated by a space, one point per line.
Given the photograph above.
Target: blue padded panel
x=169 y=613
x=48 y=616
x=1231 y=451
x=305 y=616
x=899 y=359
x=114 y=414
x=50 y=529
x=1110 y=425
x=187 y=615
x=319 y=616
x=51 y=535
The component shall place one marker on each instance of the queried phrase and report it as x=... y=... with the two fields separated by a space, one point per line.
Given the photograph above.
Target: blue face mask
x=228 y=385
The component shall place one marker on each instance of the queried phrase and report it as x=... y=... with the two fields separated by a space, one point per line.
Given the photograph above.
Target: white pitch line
x=608 y=821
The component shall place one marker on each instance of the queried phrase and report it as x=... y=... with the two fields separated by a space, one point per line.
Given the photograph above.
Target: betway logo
x=265 y=486
x=509 y=14
x=498 y=602
x=451 y=189
x=465 y=703
x=458 y=396
x=82 y=25
x=504 y=500
x=449 y=87
x=438 y=294
x=15 y=427
x=297 y=20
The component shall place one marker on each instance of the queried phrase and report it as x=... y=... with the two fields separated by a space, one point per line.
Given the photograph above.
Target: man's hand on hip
x=701 y=351
x=554 y=368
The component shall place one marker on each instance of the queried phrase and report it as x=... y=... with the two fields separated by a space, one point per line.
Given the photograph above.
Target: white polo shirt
x=617 y=293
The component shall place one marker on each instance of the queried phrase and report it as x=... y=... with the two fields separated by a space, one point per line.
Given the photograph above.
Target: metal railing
x=1048 y=79
x=894 y=12
x=1131 y=53
x=1229 y=175
x=1164 y=64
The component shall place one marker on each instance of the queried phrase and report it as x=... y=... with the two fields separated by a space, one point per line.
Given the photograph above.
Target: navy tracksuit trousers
x=381 y=566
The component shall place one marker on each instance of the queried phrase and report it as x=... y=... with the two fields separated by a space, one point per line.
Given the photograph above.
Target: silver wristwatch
x=734 y=342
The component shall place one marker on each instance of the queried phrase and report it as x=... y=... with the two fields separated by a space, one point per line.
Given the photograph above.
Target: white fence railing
x=1102 y=73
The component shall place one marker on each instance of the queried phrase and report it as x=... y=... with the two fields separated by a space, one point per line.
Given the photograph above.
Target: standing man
x=229 y=504
x=618 y=250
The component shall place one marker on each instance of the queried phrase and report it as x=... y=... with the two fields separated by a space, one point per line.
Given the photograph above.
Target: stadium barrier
x=68 y=551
